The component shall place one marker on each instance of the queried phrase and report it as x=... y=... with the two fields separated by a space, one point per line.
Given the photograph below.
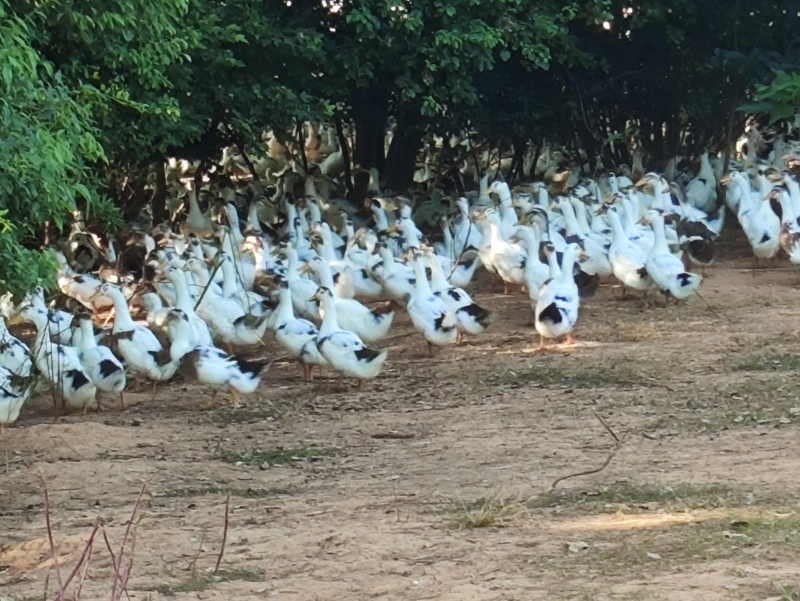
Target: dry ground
x=433 y=482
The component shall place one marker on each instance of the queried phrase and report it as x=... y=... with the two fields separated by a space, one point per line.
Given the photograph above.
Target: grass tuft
x=224 y=489
x=198 y=583
x=492 y=511
x=768 y=362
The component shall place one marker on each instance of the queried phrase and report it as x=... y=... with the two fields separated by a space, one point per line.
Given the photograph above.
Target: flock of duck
x=328 y=291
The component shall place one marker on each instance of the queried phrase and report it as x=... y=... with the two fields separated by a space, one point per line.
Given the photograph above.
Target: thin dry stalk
x=53 y=548
x=224 y=534
x=193 y=564
x=618 y=442
x=124 y=563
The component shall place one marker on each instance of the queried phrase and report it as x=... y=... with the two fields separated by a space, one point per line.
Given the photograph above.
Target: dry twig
x=224 y=534
x=618 y=442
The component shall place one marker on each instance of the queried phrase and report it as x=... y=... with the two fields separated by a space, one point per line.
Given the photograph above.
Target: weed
x=484 y=513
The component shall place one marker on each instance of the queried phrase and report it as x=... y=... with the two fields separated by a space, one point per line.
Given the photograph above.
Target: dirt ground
x=433 y=482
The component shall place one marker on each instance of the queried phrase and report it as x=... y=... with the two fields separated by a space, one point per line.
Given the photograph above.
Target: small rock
x=136 y=422
x=784 y=420
x=577 y=546
x=654 y=556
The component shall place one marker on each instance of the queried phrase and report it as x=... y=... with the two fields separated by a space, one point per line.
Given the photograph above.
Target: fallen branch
x=618 y=442
x=224 y=534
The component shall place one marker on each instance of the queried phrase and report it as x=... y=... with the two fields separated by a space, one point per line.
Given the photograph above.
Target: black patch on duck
x=366 y=354
x=79 y=380
x=249 y=367
x=108 y=368
x=551 y=314
x=477 y=312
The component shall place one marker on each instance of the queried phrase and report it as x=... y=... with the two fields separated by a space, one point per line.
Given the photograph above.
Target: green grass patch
x=767 y=362
x=278 y=456
x=198 y=583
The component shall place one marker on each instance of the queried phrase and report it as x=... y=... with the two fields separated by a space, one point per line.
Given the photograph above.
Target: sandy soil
x=432 y=482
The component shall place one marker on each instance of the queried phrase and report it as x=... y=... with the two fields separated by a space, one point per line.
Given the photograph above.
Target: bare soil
x=433 y=482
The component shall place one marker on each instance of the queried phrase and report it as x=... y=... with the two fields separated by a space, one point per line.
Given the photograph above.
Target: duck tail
x=252 y=368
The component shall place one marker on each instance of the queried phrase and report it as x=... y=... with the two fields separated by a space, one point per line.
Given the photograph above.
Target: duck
x=14 y=392
x=344 y=350
x=210 y=365
x=140 y=348
x=368 y=324
x=470 y=317
x=664 y=268
x=507 y=259
x=196 y=222
x=59 y=322
x=429 y=313
x=60 y=365
x=556 y=310
x=789 y=236
x=15 y=355
x=759 y=222
x=296 y=335
x=536 y=272
x=627 y=259
x=105 y=371
x=397 y=278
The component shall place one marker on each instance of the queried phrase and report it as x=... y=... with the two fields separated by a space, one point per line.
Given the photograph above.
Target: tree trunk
x=370 y=114
x=158 y=203
x=401 y=159
x=343 y=145
x=520 y=146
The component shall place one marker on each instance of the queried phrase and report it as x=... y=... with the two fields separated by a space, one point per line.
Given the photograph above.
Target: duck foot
x=235 y=399
x=122 y=401
x=541 y=347
x=430 y=350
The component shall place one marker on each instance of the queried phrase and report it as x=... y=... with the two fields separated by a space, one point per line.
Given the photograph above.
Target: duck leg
x=304 y=367
x=569 y=340
x=137 y=384
x=122 y=400
x=210 y=402
x=541 y=343
x=235 y=398
x=430 y=350
x=310 y=375
x=505 y=288
x=360 y=384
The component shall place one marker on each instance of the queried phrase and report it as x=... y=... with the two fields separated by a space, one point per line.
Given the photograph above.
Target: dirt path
x=432 y=483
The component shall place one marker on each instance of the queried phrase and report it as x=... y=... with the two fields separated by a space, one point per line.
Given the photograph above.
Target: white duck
x=14 y=392
x=429 y=313
x=369 y=325
x=298 y=336
x=343 y=350
x=138 y=346
x=210 y=365
x=627 y=259
x=507 y=259
x=60 y=365
x=665 y=269
x=105 y=371
x=556 y=310
x=471 y=318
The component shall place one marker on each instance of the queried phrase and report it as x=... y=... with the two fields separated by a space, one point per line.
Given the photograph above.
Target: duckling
x=428 y=312
x=665 y=269
x=208 y=364
x=557 y=308
x=343 y=350
x=60 y=365
x=105 y=370
x=298 y=336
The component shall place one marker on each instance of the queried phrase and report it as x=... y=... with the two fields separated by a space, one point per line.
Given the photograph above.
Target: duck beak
x=306 y=268
x=726 y=179
x=315 y=297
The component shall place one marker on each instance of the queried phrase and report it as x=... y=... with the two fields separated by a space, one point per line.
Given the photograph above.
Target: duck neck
x=573 y=229
x=660 y=239
x=88 y=341
x=123 y=321
x=230 y=286
x=330 y=321
x=326 y=250
x=580 y=215
x=422 y=285
x=568 y=263
x=438 y=281
x=183 y=300
x=616 y=226
x=323 y=271
x=285 y=311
